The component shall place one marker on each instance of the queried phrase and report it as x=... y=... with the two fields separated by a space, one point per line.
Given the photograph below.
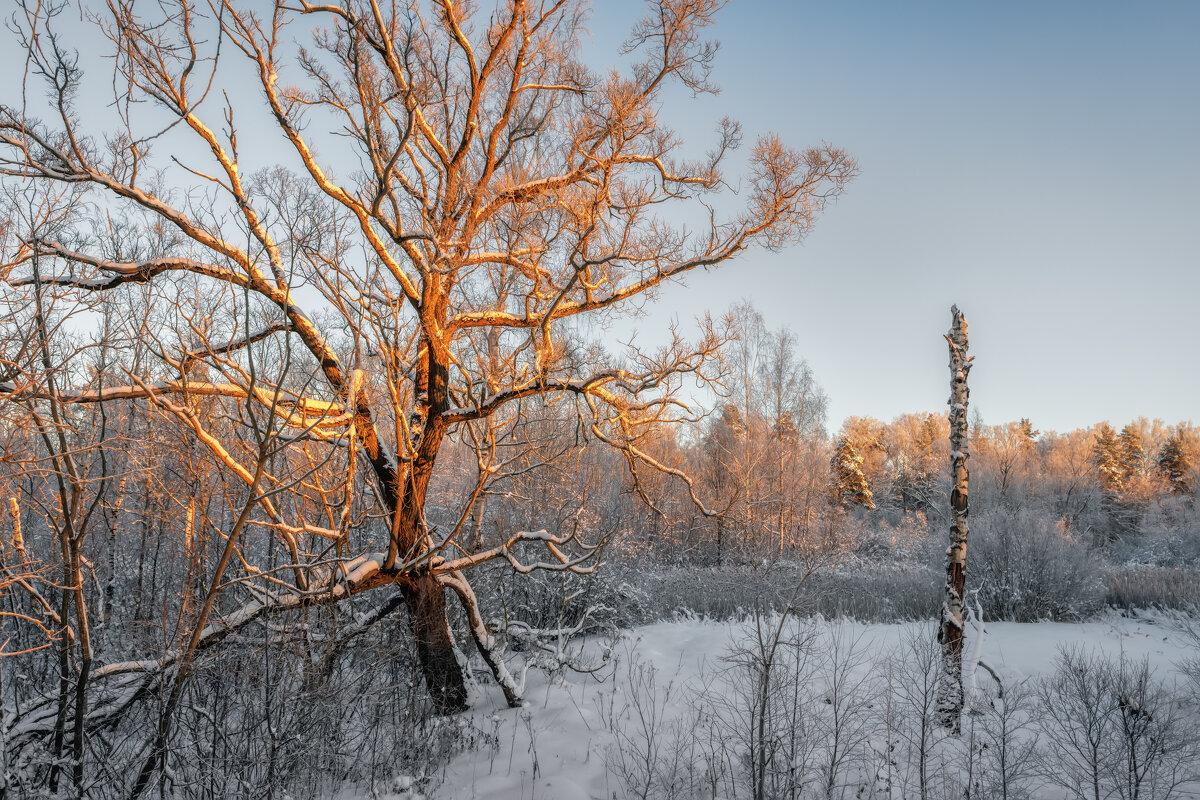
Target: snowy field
x=644 y=723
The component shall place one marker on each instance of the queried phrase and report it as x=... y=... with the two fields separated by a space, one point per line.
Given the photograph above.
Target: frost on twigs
x=325 y=338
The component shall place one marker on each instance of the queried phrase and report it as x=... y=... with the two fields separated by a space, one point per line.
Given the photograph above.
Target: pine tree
x=847 y=483
x=1174 y=464
x=1106 y=456
x=731 y=418
x=785 y=429
x=1131 y=454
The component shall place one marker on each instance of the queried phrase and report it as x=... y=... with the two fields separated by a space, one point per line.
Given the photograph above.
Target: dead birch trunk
x=950 y=632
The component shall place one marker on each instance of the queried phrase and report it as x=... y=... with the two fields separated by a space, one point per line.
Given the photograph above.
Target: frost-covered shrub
x=591 y=603
x=863 y=591
x=616 y=597
x=1027 y=568
x=1169 y=536
x=906 y=539
x=297 y=716
x=721 y=592
x=876 y=593
x=1153 y=587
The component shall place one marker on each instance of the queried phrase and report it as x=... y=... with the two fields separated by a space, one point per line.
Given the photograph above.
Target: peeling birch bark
x=950 y=629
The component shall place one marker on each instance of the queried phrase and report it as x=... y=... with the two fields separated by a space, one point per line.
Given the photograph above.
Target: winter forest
x=329 y=467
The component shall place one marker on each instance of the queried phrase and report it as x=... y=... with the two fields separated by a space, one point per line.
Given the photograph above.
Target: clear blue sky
x=1036 y=163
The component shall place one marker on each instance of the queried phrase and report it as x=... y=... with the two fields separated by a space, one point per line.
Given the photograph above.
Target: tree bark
x=436 y=651
x=950 y=632
x=462 y=266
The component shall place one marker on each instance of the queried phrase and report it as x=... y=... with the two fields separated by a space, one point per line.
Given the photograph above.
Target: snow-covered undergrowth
x=801 y=708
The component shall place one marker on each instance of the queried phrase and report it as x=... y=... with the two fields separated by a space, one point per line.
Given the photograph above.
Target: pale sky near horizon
x=1036 y=163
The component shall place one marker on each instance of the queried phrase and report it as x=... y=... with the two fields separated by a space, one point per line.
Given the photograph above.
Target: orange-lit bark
x=499 y=187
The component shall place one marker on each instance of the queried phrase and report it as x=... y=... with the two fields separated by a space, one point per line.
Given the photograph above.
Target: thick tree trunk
x=950 y=632
x=444 y=679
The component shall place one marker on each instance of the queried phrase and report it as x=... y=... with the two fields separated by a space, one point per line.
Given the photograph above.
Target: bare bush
x=768 y=704
x=913 y=676
x=1028 y=569
x=790 y=711
x=1112 y=729
x=1006 y=726
x=645 y=753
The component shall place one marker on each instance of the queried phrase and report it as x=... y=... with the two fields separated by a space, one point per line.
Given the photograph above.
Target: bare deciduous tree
x=463 y=187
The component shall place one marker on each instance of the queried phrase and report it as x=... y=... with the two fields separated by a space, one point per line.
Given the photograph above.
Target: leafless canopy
x=361 y=229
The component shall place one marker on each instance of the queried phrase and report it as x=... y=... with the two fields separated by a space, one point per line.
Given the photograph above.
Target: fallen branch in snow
x=975 y=617
x=995 y=677
x=120 y=684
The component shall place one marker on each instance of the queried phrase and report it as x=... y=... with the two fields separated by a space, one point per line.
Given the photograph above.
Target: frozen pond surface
x=558 y=746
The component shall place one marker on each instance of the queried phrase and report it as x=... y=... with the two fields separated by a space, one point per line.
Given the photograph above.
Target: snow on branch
x=563 y=562
x=119 y=684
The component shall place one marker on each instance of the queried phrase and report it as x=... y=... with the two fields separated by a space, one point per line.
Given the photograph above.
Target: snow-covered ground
x=561 y=745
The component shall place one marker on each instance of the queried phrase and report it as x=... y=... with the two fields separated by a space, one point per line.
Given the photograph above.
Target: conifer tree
x=1174 y=464
x=785 y=429
x=1131 y=453
x=1106 y=456
x=847 y=484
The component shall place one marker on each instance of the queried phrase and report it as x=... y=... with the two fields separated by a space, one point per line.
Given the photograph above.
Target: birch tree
x=950 y=632
x=387 y=241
